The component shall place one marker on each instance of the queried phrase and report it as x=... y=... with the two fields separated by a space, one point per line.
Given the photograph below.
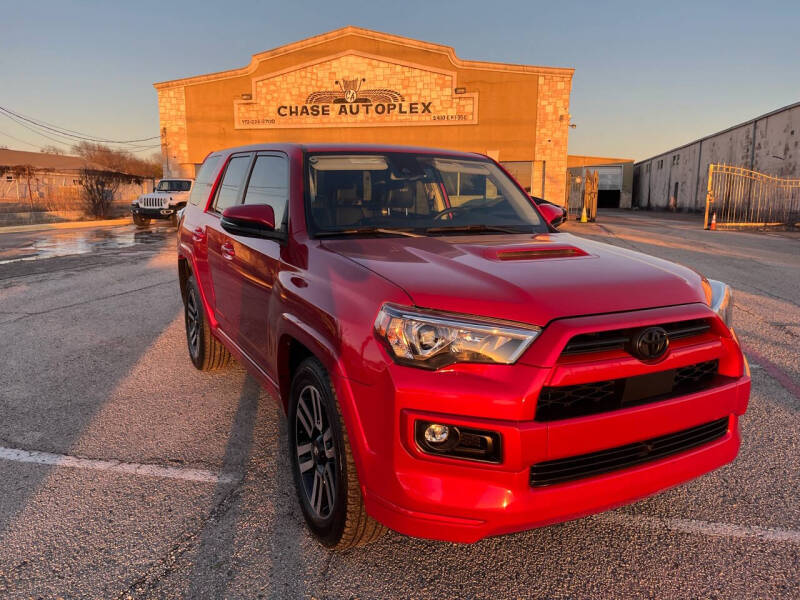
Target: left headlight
x=432 y=340
x=721 y=301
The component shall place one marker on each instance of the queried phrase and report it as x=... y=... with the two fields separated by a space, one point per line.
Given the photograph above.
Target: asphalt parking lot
x=126 y=473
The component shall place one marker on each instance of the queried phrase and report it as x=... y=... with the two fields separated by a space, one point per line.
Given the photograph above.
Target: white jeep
x=168 y=197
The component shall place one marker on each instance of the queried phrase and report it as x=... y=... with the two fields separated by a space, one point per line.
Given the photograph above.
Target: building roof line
x=711 y=135
x=448 y=51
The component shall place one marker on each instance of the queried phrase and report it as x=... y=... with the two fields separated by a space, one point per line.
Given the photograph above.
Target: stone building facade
x=361 y=86
x=767 y=144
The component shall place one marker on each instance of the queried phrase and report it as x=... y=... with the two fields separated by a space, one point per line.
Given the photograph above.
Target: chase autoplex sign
x=352 y=100
x=326 y=94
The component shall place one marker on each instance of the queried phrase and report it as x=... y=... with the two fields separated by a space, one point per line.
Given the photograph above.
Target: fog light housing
x=453 y=441
x=436 y=433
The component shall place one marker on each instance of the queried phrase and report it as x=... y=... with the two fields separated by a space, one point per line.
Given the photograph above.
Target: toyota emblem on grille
x=650 y=343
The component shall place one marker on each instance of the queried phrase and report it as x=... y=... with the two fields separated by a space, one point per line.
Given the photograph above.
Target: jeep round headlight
x=432 y=340
x=721 y=301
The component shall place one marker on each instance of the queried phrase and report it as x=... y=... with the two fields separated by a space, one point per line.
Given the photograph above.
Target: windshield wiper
x=367 y=230
x=474 y=229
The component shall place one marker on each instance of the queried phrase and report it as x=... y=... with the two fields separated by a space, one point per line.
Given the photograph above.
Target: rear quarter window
x=231 y=185
x=205 y=180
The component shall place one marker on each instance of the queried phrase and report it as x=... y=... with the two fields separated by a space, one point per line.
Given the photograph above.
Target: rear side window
x=205 y=180
x=229 y=189
x=269 y=184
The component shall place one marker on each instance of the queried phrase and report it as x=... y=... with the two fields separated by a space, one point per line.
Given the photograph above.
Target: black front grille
x=566 y=402
x=618 y=339
x=621 y=457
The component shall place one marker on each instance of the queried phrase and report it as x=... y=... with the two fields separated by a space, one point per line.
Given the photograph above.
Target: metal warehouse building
x=356 y=85
x=768 y=144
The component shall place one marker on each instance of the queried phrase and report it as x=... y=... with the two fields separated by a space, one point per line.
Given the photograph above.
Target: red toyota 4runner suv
x=452 y=367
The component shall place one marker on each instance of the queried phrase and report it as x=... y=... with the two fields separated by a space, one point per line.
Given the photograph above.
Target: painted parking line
x=115 y=466
x=691 y=526
x=706 y=528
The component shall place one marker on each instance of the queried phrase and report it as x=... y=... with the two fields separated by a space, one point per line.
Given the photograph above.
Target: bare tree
x=51 y=150
x=28 y=173
x=120 y=160
x=99 y=189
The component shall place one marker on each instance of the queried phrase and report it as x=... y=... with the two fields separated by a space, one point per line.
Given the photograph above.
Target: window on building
x=269 y=184
x=661 y=164
x=676 y=159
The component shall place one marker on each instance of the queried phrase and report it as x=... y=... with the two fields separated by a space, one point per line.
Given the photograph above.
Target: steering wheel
x=450 y=210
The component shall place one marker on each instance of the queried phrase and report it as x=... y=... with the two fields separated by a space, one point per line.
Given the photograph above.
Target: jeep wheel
x=141 y=221
x=206 y=351
x=322 y=463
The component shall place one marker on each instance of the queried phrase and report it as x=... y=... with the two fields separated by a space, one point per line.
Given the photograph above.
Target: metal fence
x=739 y=197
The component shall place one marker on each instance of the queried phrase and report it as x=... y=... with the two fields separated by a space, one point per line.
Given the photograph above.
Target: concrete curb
x=65 y=225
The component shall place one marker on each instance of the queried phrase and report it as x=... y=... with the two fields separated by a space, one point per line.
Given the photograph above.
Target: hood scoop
x=535 y=253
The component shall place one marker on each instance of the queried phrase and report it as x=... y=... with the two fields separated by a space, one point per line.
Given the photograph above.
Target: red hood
x=509 y=277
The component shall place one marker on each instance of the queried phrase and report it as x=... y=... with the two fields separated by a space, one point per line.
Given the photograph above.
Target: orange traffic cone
x=713 y=226
x=583 y=216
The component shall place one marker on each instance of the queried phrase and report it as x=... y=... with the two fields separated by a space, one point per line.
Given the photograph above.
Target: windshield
x=426 y=194
x=168 y=185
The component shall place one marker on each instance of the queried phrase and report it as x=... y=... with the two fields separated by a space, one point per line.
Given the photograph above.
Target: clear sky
x=647 y=76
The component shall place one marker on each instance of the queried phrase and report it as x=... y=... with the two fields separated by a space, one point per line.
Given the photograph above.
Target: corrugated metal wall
x=768 y=144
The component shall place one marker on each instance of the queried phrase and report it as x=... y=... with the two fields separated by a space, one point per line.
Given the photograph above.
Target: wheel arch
x=291 y=352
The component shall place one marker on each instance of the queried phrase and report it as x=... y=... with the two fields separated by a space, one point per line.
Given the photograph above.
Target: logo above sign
x=325 y=94
x=350 y=91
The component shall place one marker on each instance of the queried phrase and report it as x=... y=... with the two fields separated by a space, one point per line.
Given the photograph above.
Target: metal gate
x=738 y=197
x=583 y=194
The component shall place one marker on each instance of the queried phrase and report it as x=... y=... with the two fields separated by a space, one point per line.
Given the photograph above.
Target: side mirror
x=250 y=220
x=552 y=214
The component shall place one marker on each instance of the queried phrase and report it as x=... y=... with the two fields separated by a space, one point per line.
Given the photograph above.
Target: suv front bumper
x=157 y=213
x=455 y=500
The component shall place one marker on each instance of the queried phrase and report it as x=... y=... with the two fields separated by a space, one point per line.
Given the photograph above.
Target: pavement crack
x=169 y=562
x=89 y=301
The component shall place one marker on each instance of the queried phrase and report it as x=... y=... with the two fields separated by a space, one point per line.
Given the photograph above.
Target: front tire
x=206 y=351
x=322 y=463
x=140 y=221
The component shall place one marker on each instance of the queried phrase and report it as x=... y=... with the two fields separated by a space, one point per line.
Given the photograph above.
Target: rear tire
x=206 y=351
x=141 y=221
x=322 y=463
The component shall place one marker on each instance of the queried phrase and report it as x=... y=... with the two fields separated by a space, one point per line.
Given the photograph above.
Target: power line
x=64 y=129
x=67 y=141
x=52 y=139
x=8 y=135
x=70 y=132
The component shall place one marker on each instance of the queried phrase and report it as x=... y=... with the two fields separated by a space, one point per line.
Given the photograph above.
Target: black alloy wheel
x=205 y=350
x=323 y=466
x=193 y=324
x=316 y=452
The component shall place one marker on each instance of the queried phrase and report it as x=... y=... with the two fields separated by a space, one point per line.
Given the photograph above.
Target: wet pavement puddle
x=67 y=243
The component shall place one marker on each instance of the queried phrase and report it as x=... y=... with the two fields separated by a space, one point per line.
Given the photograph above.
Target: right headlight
x=431 y=340
x=721 y=301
